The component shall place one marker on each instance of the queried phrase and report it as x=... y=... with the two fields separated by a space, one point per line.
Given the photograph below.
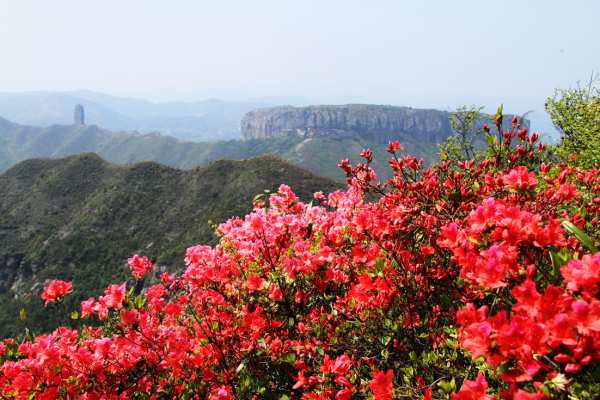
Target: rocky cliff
x=378 y=123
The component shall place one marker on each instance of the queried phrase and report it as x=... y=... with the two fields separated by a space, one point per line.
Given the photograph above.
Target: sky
x=438 y=54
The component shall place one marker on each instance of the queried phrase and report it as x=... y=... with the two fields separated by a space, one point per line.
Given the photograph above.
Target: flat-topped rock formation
x=379 y=123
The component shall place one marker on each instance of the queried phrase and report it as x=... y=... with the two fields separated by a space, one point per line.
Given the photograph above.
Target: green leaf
x=490 y=139
x=385 y=340
x=558 y=260
x=499 y=114
x=413 y=356
x=22 y=314
x=289 y=358
x=138 y=302
x=385 y=353
x=448 y=386
x=473 y=240
x=74 y=315
x=240 y=367
x=585 y=240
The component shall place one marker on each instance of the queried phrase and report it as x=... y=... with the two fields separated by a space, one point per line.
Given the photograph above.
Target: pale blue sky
x=422 y=53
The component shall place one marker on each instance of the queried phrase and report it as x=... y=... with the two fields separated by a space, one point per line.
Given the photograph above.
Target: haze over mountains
x=314 y=137
x=210 y=119
x=20 y=142
x=206 y=120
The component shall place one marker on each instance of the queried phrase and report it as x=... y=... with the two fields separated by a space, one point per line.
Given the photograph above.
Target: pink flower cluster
x=362 y=294
x=56 y=290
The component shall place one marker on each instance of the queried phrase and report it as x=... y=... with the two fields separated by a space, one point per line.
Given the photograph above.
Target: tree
x=576 y=114
x=459 y=145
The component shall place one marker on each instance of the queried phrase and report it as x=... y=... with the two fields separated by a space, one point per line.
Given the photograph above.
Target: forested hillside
x=319 y=154
x=80 y=218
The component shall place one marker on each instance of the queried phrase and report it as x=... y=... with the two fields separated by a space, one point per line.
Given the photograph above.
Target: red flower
x=367 y=154
x=87 y=307
x=128 y=317
x=344 y=394
x=520 y=178
x=583 y=274
x=523 y=395
x=275 y=293
x=221 y=393
x=473 y=390
x=394 y=147
x=451 y=236
x=56 y=290
x=475 y=332
x=114 y=296
x=332 y=278
x=382 y=385
x=254 y=283
x=140 y=266
x=427 y=394
x=339 y=366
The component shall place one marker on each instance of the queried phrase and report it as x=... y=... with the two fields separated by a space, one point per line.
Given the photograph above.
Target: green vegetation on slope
x=79 y=218
x=576 y=114
x=318 y=154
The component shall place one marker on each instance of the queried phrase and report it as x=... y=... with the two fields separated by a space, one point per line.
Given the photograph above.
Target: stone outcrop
x=79 y=115
x=379 y=123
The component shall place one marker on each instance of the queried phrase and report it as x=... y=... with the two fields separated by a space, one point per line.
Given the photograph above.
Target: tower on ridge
x=79 y=115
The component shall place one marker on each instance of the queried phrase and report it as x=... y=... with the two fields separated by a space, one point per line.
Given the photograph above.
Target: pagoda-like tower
x=79 y=115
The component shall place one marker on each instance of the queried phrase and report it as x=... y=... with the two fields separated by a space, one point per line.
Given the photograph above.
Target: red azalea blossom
x=395 y=147
x=140 y=266
x=427 y=394
x=583 y=274
x=255 y=283
x=520 y=178
x=317 y=301
x=473 y=390
x=382 y=385
x=56 y=290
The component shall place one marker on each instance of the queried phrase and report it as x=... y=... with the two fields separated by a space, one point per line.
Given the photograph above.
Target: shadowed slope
x=80 y=217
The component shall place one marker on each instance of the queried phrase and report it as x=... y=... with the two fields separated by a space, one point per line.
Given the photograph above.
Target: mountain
x=319 y=155
x=79 y=218
x=378 y=123
x=341 y=131
x=315 y=138
x=207 y=120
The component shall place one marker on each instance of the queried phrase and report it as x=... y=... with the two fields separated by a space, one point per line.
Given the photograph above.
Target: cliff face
x=380 y=123
x=375 y=122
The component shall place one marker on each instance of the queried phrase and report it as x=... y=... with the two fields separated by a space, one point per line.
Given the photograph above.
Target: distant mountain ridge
x=206 y=120
x=319 y=155
x=80 y=217
x=314 y=137
x=377 y=123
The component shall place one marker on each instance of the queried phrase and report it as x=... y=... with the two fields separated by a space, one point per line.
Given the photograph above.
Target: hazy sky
x=423 y=53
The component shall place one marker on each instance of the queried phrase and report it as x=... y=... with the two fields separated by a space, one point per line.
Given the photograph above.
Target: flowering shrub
x=56 y=290
x=140 y=266
x=466 y=280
